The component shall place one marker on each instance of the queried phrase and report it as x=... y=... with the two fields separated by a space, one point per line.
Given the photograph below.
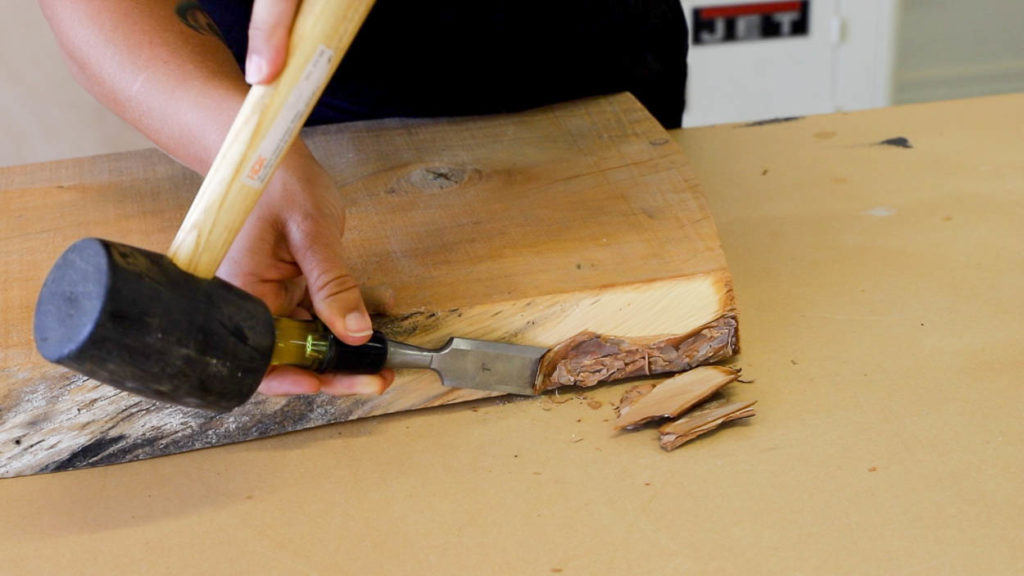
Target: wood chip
x=671 y=397
x=702 y=420
x=631 y=396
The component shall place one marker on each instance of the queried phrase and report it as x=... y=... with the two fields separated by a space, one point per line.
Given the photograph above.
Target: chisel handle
x=377 y=354
x=263 y=130
x=310 y=344
x=368 y=358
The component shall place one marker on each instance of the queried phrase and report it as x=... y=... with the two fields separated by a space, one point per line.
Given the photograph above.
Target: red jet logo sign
x=739 y=22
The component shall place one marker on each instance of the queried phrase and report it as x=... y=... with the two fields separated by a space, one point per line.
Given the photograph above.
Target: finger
x=352 y=384
x=288 y=380
x=254 y=264
x=333 y=291
x=269 y=30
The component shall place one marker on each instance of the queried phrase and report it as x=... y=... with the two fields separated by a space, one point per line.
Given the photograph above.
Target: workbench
x=878 y=263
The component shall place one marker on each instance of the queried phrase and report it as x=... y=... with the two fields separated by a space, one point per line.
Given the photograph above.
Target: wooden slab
x=526 y=228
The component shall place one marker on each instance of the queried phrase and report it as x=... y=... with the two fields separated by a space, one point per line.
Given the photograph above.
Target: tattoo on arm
x=192 y=15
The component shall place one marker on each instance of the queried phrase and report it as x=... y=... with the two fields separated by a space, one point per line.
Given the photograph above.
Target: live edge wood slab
x=527 y=228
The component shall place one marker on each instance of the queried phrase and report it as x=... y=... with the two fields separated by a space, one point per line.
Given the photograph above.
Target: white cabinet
x=754 y=60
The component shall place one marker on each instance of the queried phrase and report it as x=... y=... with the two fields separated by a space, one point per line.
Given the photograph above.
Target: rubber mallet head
x=132 y=319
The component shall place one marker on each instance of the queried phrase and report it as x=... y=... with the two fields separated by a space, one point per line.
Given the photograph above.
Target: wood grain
x=524 y=228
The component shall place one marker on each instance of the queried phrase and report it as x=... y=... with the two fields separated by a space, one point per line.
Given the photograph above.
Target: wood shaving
x=672 y=397
x=701 y=421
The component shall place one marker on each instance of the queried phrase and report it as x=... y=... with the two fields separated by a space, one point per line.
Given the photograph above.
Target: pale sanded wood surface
x=525 y=228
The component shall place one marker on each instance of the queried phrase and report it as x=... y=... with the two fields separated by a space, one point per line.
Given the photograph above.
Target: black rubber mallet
x=164 y=327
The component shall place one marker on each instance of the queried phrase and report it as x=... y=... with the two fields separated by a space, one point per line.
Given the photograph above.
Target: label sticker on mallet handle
x=289 y=121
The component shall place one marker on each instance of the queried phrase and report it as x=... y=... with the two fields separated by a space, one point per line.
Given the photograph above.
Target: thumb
x=269 y=29
x=333 y=291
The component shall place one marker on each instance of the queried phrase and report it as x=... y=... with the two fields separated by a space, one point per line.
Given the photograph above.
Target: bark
x=588 y=358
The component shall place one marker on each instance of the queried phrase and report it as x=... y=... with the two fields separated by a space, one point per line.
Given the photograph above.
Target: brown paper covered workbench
x=879 y=287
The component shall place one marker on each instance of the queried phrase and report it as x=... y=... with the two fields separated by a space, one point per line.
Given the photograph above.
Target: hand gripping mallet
x=164 y=326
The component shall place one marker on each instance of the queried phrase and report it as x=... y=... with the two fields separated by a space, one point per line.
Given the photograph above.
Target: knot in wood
x=440 y=177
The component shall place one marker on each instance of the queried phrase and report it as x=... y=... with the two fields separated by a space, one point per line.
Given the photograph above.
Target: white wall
x=44 y=115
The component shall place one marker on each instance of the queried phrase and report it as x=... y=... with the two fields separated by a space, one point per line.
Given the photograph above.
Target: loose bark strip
x=673 y=396
x=701 y=421
x=588 y=358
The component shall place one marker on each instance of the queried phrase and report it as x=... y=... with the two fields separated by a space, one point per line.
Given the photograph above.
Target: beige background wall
x=44 y=115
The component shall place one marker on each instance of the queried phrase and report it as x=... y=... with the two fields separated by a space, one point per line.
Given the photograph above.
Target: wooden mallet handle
x=266 y=126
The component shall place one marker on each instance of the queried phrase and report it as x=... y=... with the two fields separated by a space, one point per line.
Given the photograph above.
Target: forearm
x=178 y=86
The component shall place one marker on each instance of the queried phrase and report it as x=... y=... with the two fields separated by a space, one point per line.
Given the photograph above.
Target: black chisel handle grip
x=366 y=358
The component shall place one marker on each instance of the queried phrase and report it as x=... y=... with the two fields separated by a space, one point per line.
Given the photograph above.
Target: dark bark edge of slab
x=70 y=422
x=81 y=423
x=589 y=358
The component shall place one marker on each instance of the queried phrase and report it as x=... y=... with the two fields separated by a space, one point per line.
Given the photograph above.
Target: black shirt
x=455 y=57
